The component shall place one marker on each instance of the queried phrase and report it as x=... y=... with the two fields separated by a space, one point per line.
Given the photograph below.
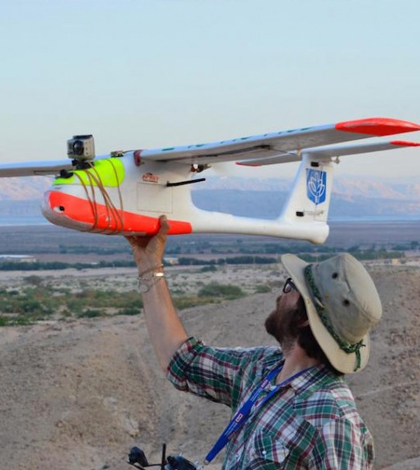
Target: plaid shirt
x=311 y=423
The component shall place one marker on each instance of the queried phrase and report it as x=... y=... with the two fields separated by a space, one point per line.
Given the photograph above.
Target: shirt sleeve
x=343 y=445
x=213 y=373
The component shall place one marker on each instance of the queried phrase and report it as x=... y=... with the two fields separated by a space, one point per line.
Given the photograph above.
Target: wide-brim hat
x=342 y=304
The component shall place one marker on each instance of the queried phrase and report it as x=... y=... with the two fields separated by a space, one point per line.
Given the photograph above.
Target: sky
x=157 y=73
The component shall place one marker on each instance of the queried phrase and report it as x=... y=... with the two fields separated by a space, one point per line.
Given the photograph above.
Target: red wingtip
x=405 y=143
x=377 y=126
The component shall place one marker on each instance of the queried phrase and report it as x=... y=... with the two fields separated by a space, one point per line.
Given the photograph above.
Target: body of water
x=19 y=221
x=376 y=219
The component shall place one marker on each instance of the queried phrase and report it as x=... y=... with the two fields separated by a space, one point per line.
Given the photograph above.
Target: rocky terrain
x=78 y=394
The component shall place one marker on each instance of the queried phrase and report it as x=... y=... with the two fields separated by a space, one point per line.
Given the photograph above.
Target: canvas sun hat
x=342 y=305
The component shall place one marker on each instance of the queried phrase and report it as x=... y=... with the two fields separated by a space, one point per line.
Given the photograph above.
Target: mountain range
x=352 y=196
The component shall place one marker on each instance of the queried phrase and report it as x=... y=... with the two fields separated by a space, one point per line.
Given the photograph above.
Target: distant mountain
x=23 y=188
x=352 y=196
x=268 y=204
x=386 y=189
x=347 y=187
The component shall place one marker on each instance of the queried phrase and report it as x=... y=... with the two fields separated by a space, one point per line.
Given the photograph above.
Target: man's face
x=278 y=322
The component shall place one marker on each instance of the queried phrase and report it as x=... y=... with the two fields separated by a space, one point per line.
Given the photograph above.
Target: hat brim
x=342 y=361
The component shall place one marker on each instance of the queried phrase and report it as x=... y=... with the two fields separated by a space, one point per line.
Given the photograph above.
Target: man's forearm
x=163 y=324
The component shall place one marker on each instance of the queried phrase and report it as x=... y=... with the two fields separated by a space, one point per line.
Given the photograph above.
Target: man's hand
x=148 y=251
x=165 y=328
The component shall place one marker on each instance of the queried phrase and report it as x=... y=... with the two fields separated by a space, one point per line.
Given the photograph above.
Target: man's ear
x=304 y=324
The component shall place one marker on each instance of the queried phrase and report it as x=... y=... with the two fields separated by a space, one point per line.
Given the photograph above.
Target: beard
x=280 y=325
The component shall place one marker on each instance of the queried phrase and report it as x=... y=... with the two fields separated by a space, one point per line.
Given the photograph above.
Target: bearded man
x=291 y=407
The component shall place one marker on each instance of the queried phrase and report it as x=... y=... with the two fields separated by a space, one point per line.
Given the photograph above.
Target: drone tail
x=309 y=199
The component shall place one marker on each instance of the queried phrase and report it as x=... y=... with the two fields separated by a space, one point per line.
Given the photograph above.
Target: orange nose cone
x=81 y=214
x=55 y=209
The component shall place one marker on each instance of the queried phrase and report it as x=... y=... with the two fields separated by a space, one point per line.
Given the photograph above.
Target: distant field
x=52 y=243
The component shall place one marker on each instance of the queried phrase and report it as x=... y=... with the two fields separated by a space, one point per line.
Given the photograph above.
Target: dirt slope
x=78 y=395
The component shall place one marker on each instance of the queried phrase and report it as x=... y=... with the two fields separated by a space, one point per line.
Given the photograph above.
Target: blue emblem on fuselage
x=316 y=185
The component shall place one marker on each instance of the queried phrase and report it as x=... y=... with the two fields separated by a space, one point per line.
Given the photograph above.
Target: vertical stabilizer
x=309 y=200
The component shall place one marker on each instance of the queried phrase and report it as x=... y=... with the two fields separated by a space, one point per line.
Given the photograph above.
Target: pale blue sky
x=152 y=73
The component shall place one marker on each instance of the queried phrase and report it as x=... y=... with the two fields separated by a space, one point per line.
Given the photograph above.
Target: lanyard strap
x=242 y=414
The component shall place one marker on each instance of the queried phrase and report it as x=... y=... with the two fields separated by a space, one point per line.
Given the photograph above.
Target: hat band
x=344 y=346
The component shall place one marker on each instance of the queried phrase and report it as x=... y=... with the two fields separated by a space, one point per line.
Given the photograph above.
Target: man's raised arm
x=163 y=324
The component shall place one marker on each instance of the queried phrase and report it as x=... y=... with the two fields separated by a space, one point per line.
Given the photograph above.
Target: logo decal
x=150 y=178
x=316 y=185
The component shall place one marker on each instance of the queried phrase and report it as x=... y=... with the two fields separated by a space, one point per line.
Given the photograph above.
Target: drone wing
x=40 y=168
x=283 y=145
x=276 y=147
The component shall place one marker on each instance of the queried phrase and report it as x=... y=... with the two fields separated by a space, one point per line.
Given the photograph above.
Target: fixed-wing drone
x=125 y=192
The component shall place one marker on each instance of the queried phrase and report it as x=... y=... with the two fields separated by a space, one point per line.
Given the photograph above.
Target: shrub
x=189 y=301
x=214 y=289
x=33 y=280
x=262 y=288
x=129 y=311
x=91 y=313
x=208 y=269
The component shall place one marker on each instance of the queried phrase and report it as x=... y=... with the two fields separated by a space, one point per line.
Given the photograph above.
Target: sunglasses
x=289 y=285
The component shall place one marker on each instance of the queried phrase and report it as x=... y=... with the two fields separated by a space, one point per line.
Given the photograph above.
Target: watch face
x=143 y=288
x=145 y=284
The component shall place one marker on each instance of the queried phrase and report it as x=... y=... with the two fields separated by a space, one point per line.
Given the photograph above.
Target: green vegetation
x=262 y=288
x=42 y=302
x=189 y=301
x=257 y=250
x=311 y=257
x=39 y=302
x=190 y=261
x=221 y=291
x=223 y=250
x=86 y=249
x=208 y=269
x=57 y=265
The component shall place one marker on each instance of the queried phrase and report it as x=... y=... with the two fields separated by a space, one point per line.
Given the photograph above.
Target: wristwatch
x=145 y=283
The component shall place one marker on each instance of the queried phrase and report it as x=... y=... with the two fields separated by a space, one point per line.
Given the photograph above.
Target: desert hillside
x=77 y=395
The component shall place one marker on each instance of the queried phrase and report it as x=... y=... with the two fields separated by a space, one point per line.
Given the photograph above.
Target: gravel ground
x=77 y=395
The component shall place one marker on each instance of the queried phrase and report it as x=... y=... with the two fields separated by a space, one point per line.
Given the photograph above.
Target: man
x=292 y=409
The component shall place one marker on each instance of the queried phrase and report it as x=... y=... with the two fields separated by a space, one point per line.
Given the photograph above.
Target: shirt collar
x=315 y=375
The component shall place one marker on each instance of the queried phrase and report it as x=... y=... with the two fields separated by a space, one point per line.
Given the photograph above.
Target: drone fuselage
x=124 y=193
x=125 y=196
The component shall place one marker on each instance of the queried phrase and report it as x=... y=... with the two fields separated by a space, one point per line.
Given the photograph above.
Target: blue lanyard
x=241 y=415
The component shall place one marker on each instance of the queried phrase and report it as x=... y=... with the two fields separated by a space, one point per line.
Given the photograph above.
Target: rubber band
x=114 y=215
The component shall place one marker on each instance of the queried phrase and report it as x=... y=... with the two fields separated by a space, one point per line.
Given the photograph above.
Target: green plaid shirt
x=311 y=423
